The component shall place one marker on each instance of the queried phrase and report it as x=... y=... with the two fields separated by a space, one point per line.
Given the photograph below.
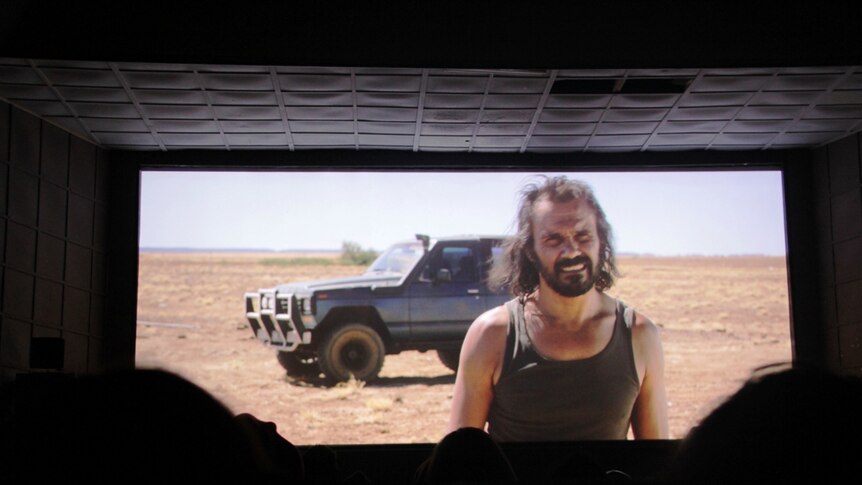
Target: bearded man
x=563 y=360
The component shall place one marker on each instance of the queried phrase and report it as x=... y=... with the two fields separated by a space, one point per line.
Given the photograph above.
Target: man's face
x=566 y=245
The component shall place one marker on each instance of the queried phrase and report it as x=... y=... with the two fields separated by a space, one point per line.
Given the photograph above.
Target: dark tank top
x=539 y=399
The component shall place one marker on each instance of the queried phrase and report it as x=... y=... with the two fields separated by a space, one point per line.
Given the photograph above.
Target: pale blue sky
x=663 y=213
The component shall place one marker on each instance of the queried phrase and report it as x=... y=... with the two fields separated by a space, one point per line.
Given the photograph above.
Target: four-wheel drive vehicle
x=418 y=295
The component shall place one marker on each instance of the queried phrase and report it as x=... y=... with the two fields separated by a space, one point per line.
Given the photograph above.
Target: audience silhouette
x=786 y=425
x=466 y=456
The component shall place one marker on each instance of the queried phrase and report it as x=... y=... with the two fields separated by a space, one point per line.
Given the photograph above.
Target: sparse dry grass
x=720 y=319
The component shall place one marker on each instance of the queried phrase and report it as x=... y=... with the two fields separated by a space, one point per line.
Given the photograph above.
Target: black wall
x=53 y=241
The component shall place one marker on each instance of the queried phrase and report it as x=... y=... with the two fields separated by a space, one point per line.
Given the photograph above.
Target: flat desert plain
x=721 y=318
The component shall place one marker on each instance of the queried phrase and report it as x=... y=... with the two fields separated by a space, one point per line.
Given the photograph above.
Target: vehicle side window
x=461 y=262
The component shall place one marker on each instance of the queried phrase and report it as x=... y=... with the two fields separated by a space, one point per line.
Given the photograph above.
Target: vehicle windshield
x=399 y=258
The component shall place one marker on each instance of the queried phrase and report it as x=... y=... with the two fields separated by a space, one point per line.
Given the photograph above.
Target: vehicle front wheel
x=449 y=358
x=298 y=365
x=354 y=349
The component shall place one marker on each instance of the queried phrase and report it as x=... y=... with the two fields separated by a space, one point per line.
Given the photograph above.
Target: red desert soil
x=721 y=318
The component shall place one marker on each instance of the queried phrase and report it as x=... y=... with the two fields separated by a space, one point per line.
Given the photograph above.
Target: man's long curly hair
x=516 y=270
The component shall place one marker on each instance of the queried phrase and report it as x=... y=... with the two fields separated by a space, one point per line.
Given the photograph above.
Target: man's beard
x=572 y=285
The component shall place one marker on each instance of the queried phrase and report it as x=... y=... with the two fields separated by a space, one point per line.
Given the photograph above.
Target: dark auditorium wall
x=838 y=210
x=53 y=243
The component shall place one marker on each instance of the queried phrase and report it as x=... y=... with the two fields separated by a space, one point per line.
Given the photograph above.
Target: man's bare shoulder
x=491 y=326
x=644 y=329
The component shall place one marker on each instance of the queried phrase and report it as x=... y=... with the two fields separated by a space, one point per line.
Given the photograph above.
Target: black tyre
x=449 y=358
x=354 y=349
x=298 y=365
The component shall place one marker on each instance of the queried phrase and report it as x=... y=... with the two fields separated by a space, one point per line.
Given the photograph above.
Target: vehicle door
x=448 y=293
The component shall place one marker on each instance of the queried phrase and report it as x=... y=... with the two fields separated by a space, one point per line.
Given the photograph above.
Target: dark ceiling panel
x=453 y=84
x=311 y=82
x=138 y=105
x=170 y=96
x=161 y=80
x=453 y=101
x=244 y=98
x=318 y=99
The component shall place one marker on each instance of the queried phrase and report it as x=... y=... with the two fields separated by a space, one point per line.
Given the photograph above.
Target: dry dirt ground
x=721 y=317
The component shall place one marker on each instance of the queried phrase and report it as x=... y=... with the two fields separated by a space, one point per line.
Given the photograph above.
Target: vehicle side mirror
x=443 y=276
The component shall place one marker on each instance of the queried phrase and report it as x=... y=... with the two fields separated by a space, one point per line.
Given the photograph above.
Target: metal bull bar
x=275 y=319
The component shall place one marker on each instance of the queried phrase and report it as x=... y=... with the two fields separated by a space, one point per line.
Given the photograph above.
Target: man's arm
x=478 y=367
x=649 y=416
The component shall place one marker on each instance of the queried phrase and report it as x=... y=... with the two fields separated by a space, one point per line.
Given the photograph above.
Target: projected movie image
x=336 y=304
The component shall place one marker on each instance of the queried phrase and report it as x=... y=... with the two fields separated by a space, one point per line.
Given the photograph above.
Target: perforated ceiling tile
x=26 y=91
x=498 y=142
x=184 y=126
x=109 y=95
x=192 y=139
x=320 y=113
x=384 y=127
x=164 y=96
x=564 y=129
x=243 y=98
x=324 y=139
x=834 y=112
x=450 y=115
x=678 y=139
x=644 y=100
x=386 y=140
x=514 y=85
x=824 y=125
x=512 y=101
x=800 y=83
x=454 y=101
x=247 y=112
x=507 y=115
x=444 y=141
x=770 y=112
x=392 y=84
x=635 y=115
x=321 y=126
x=569 y=115
x=728 y=83
x=386 y=114
x=453 y=129
x=252 y=126
x=107 y=124
x=19 y=75
x=841 y=97
x=618 y=140
x=177 y=112
x=126 y=138
x=691 y=126
x=559 y=141
x=703 y=114
x=81 y=77
x=626 y=128
x=314 y=82
x=501 y=129
x=714 y=99
x=805 y=138
x=161 y=80
x=455 y=85
x=764 y=126
x=268 y=139
x=778 y=98
x=237 y=82
x=396 y=100
x=105 y=110
x=577 y=101
x=744 y=138
x=318 y=99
